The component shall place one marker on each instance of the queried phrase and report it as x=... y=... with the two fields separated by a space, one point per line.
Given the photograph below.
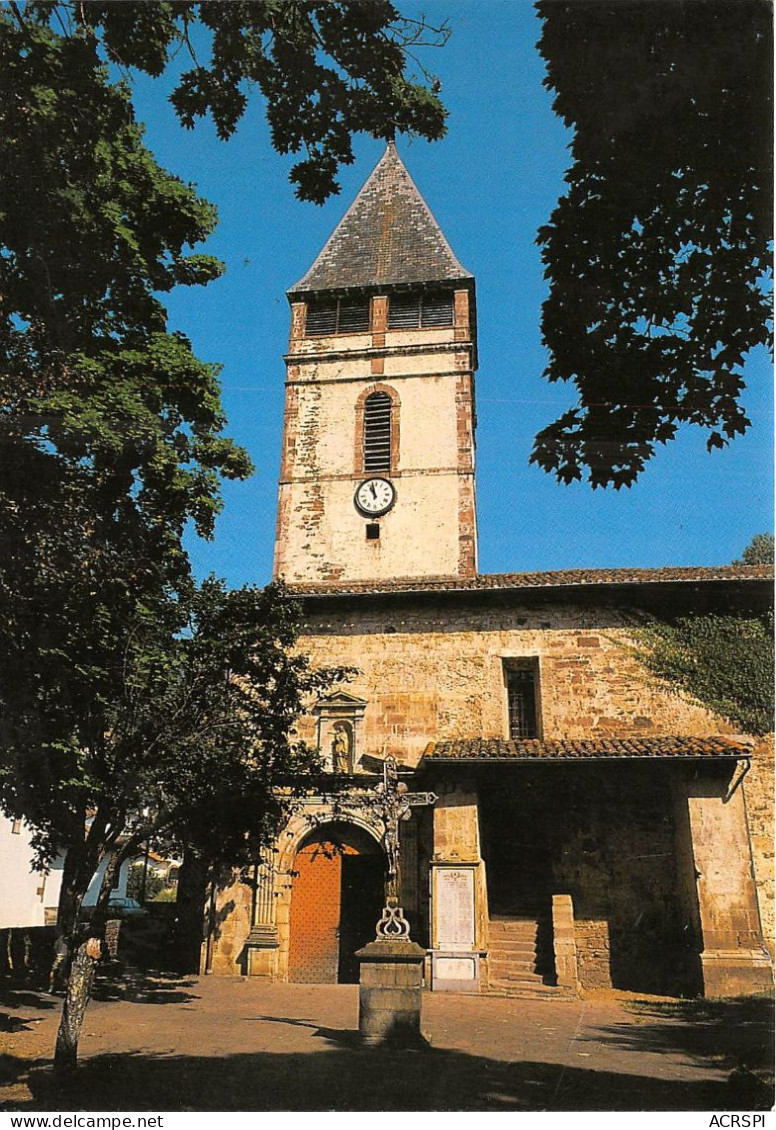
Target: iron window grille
x=377 y=432
x=419 y=310
x=521 y=701
x=337 y=316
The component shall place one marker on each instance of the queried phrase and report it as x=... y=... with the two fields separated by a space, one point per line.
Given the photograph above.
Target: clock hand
x=372 y=488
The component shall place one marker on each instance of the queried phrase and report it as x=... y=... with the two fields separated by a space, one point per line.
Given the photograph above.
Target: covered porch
x=622 y=863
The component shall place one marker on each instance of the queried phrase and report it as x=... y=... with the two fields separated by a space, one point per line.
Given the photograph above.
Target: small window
x=372 y=531
x=522 y=679
x=377 y=432
x=337 y=316
x=16 y=828
x=413 y=311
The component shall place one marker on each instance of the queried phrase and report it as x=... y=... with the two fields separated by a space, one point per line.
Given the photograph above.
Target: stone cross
x=393 y=803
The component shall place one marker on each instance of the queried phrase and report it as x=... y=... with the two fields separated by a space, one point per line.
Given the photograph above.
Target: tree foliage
x=111 y=429
x=726 y=662
x=172 y=727
x=326 y=68
x=658 y=254
x=132 y=704
x=181 y=729
x=758 y=552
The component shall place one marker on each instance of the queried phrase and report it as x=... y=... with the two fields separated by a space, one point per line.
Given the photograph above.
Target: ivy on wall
x=726 y=662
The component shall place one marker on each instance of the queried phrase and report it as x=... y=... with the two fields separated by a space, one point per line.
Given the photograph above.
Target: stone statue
x=340 y=748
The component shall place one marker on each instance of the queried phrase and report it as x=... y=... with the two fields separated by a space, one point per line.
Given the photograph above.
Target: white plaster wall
x=21 y=904
x=417 y=537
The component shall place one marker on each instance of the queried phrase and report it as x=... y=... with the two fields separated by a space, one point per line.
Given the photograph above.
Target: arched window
x=377 y=432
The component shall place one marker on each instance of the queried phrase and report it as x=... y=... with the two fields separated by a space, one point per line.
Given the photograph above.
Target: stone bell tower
x=377 y=471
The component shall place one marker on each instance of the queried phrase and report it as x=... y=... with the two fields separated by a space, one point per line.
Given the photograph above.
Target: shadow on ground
x=344 y=1076
x=736 y=1035
x=732 y=1038
x=127 y=983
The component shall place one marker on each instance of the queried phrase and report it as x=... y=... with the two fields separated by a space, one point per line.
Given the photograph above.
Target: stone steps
x=516 y=955
x=531 y=991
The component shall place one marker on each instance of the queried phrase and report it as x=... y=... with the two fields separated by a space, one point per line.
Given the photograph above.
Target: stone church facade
x=591 y=828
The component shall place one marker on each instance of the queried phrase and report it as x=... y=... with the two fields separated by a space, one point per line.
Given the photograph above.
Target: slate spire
x=388 y=237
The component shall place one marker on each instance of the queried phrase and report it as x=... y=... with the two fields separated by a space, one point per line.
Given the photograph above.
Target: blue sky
x=490 y=183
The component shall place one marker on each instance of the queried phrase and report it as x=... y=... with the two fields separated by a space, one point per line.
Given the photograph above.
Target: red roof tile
x=532 y=749
x=560 y=579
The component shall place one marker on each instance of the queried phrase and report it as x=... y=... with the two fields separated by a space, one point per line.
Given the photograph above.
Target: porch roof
x=533 y=749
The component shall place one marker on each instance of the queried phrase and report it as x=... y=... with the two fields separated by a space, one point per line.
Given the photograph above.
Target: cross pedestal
x=389 y=989
x=391 y=970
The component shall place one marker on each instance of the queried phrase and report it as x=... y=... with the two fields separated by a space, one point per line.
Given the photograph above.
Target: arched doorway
x=336 y=900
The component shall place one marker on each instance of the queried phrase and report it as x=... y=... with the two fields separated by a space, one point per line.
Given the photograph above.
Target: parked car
x=121 y=906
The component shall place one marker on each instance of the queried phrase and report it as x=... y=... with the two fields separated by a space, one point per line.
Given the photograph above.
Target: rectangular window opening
x=377 y=432
x=337 y=316
x=437 y=309
x=321 y=318
x=372 y=531
x=404 y=312
x=522 y=681
x=413 y=311
x=353 y=316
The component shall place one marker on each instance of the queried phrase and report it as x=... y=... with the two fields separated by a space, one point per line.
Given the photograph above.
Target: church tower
x=377 y=470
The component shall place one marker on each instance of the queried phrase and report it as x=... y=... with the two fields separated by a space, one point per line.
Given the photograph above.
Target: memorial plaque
x=455 y=968
x=454 y=908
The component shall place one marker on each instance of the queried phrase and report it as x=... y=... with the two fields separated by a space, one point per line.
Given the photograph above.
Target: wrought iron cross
x=394 y=803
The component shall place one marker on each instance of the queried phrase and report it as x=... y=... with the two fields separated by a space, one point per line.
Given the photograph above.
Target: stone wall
x=229 y=917
x=434 y=670
x=593 y=958
x=759 y=793
x=437 y=672
x=431 y=529
x=603 y=834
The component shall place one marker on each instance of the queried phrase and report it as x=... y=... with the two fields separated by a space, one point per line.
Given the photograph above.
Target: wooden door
x=336 y=898
x=315 y=914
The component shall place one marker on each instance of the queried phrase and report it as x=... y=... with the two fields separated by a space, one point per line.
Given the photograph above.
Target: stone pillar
x=262 y=941
x=733 y=958
x=409 y=894
x=389 y=993
x=564 y=943
x=298 y=315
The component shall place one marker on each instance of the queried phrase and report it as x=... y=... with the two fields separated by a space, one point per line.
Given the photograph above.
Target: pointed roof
x=387 y=237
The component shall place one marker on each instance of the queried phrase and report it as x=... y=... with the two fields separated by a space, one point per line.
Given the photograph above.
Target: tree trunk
x=71 y=892
x=77 y=996
x=84 y=967
x=188 y=930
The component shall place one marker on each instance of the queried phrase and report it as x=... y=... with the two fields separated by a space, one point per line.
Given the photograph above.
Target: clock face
x=375 y=497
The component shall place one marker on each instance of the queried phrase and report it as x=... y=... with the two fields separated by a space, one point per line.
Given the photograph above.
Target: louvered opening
x=353 y=316
x=377 y=432
x=404 y=312
x=321 y=318
x=437 y=309
x=411 y=311
x=337 y=316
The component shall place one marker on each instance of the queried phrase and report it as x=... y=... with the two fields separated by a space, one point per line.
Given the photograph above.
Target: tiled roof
x=531 y=749
x=387 y=237
x=560 y=579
